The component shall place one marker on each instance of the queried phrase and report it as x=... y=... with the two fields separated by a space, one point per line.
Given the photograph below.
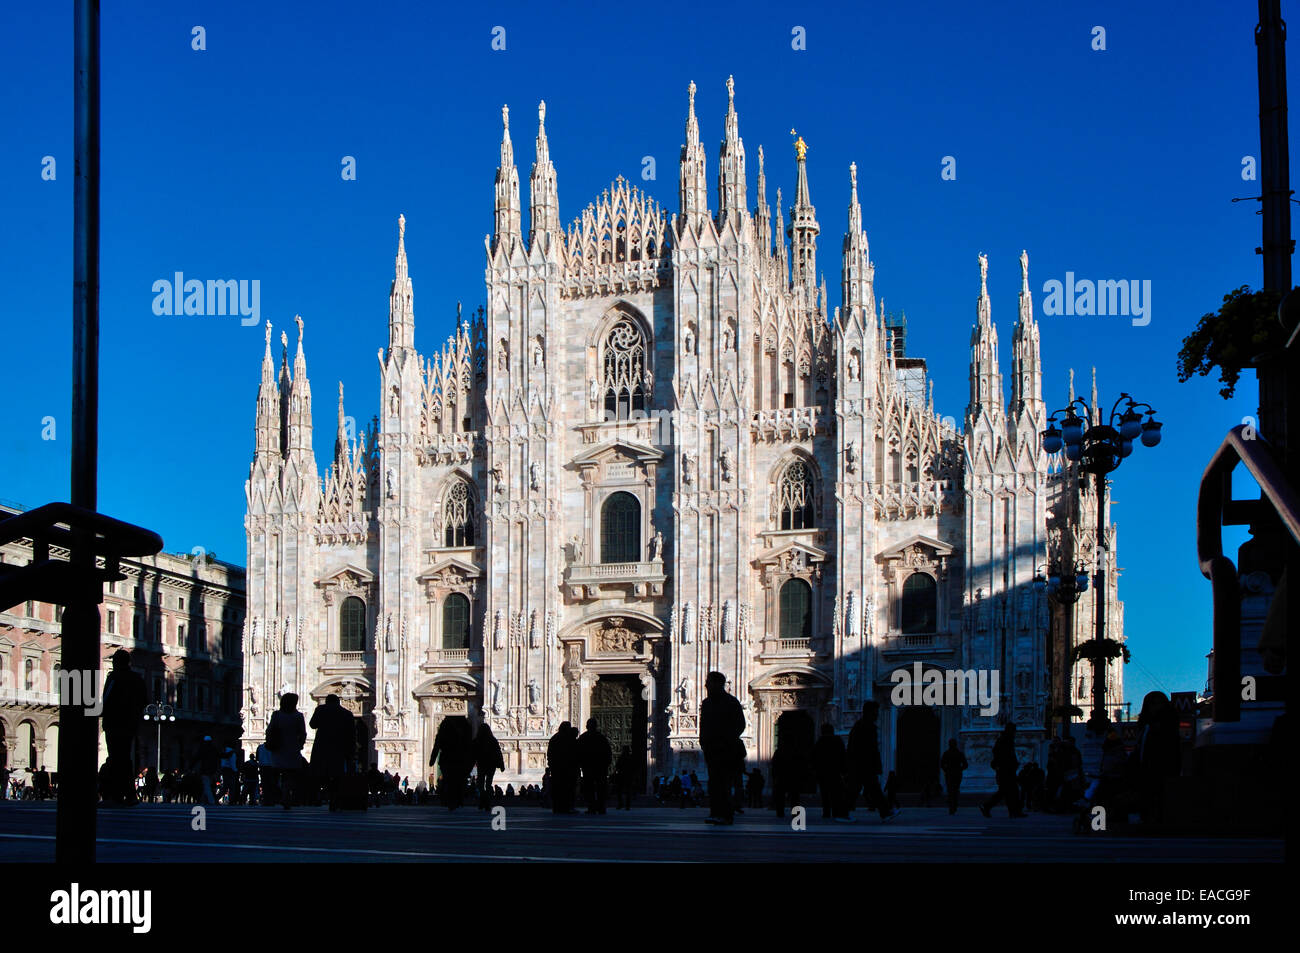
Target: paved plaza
x=163 y=833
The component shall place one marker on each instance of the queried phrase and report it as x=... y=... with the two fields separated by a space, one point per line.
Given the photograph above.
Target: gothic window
x=920 y=604
x=796 y=610
x=620 y=529
x=457 y=516
x=795 y=497
x=352 y=625
x=624 y=371
x=455 y=622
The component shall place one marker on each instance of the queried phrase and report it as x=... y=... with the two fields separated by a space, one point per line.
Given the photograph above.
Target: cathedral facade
x=655 y=452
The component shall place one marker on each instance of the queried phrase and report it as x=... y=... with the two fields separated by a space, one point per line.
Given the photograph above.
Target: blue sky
x=225 y=163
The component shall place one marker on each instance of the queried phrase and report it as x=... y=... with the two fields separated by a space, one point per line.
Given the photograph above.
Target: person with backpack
x=285 y=737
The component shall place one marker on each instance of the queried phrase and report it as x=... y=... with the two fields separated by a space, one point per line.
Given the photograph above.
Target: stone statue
x=726 y=339
x=728 y=464
x=594 y=392
x=534 y=476
x=984 y=272
x=688 y=467
x=390 y=480
x=684 y=693
x=688 y=341
x=389 y=702
x=499 y=630
x=496 y=696
x=851 y=456
x=575 y=542
x=497 y=479
x=657 y=547
x=534 y=696
x=853 y=366
x=389 y=646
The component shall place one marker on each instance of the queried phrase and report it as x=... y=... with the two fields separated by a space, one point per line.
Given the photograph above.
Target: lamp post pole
x=159 y=713
x=1099 y=448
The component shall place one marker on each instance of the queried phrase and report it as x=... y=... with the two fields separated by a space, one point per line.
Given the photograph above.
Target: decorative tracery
x=458 y=516
x=624 y=371
x=795 y=497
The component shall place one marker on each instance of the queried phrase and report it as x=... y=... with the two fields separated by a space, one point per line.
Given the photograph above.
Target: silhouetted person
x=489 y=760
x=722 y=722
x=1031 y=786
x=455 y=747
x=594 y=757
x=829 y=759
x=754 y=788
x=562 y=759
x=123 y=710
x=334 y=748
x=209 y=768
x=41 y=784
x=792 y=761
x=285 y=736
x=953 y=763
x=864 y=762
x=1158 y=754
x=1004 y=764
x=625 y=778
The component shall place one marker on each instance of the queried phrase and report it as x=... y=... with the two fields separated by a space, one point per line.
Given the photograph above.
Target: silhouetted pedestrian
x=123 y=710
x=1158 y=754
x=792 y=761
x=562 y=759
x=333 y=751
x=488 y=759
x=453 y=752
x=285 y=737
x=594 y=757
x=829 y=759
x=754 y=788
x=1005 y=764
x=953 y=763
x=209 y=764
x=864 y=762
x=722 y=722
x=625 y=778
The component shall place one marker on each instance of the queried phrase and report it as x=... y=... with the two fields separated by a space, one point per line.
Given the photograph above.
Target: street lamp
x=1063 y=590
x=1099 y=447
x=159 y=714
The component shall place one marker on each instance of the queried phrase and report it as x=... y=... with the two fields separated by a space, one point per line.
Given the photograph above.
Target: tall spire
x=298 y=434
x=341 y=440
x=268 y=405
x=694 y=191
x=857 y=270
x=985 y=378
x=762 y=214
x=731 y=164
x=507 y=197
x=544 y=210
x=803 y=227
x=401 y=298
x=1026 y=363
x=779 y=233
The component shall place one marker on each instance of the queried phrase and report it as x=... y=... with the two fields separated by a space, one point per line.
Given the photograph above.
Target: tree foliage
x=1232 y=338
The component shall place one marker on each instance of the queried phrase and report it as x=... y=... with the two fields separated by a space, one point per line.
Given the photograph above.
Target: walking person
x=722 y=722
x=333 y=750
x=562 y=760
x=285 y=737
x=624 y=778
x=1158 y=755
x=209 y=768
x=864 y=762
x=453 y=752
x=792 y=761
x=488 y=760
x=1005 y=766
x=123 y=710
x=594 y=756
x=953 y=763
x=829 y=759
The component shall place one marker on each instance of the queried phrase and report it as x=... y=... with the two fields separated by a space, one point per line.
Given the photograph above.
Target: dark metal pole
x=78 y=730
x=1098 y=720
x=1275 y=176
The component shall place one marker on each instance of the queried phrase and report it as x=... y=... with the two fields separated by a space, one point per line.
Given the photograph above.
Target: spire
x=341 y=440
x=985 y=378
x=544 y=210
x=731 y=164
x=762 y=214
x=803 y=226
x=857 y=271
x=694 y=191
x=1026 y=363
x=779 y=235
x=507 y=199
x=401 y=298
x=268 y=406
x=298 y=433
x=1094 y=393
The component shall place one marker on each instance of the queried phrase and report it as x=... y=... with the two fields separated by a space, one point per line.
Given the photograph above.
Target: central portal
x=620 y=714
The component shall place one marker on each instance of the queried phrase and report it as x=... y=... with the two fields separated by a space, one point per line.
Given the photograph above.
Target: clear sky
x=226 y=163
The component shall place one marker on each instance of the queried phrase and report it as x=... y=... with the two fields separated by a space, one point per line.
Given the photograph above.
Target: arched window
x=455 y=622
x=796 y=610
x=352 y=625
x=624 y=371
x=458 y=516
x=795 y=497
x=620 y=529
x=920 y=604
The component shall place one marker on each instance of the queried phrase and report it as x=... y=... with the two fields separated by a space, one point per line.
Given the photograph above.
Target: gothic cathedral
x=656 y=452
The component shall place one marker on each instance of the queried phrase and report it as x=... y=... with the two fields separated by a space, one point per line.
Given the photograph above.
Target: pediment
x=643 y=453
x=350 y=575
x=468 y=570
x=937 y=546
x=794 y=551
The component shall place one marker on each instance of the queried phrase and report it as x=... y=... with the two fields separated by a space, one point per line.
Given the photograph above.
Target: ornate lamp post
x=1100 y=447
x=159 y=713
x=1063 y=590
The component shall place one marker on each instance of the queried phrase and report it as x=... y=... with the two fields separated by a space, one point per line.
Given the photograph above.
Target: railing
x=346 y=659
x=1215 y=508
x=795 y=645
x=618 y=571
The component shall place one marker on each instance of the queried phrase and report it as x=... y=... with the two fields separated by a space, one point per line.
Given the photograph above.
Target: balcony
x=916 y=645
x=586 y=581
x=452 y=658
x=344 y=662
x=794 y=645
